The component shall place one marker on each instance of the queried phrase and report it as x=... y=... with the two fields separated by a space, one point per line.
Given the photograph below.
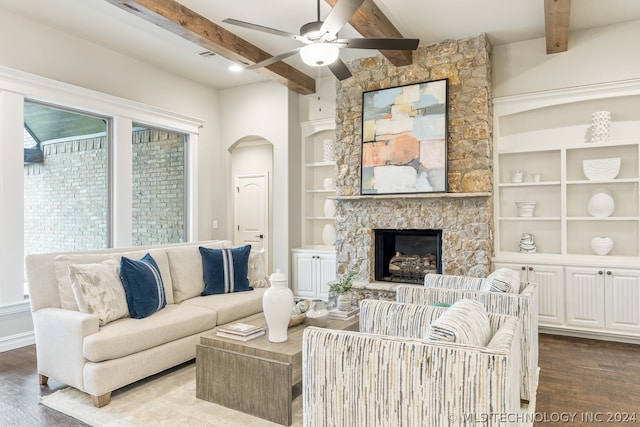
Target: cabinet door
x=327 y=273
x=304 y=275
x=585 y=297
x=622 y=300
x=550 y=284
x=550 y=293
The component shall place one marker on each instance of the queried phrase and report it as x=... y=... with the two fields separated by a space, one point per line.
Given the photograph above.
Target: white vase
x=277 y=303
x=328 y=184
x=602 y=245
x=601 y=204
x=318 y=315
x=344 y=301
x=329 y=208
x=328 y=234
x=329 y=150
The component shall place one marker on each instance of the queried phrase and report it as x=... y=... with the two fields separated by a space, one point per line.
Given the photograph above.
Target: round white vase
x=328 y=234
x=277 y=303
x=602 y=245
x=601 y=204
x=329 y=208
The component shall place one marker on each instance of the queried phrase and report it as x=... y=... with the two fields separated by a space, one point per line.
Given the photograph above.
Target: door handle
x=260 y=236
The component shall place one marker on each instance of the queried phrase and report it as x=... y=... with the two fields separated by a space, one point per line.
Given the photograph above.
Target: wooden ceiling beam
x=556 y=23
x=370 y=22
x=177 y=19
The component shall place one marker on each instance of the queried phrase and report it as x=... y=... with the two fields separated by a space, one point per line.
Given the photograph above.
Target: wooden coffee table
x=257 y=377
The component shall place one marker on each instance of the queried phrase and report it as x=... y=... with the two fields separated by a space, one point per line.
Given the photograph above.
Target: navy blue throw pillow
x=143 y=286
x=225 y=270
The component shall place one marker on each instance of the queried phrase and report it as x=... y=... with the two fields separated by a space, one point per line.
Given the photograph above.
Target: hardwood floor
x=579 y=378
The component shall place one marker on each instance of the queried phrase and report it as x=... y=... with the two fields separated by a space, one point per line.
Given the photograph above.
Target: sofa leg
x=43 y=379
x=102 y=400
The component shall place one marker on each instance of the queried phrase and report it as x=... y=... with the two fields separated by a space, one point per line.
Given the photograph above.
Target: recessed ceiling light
x=235 y=68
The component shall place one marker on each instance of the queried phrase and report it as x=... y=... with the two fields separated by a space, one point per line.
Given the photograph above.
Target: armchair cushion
x=502 y=280
x=465 y=322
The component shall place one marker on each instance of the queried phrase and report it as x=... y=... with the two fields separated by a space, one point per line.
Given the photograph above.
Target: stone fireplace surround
x=465 y=212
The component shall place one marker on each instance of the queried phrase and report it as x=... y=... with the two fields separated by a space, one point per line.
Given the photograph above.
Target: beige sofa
x=71 y=346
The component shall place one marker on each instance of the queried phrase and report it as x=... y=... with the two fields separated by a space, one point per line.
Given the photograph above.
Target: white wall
x=262 y=110
x=605 y=54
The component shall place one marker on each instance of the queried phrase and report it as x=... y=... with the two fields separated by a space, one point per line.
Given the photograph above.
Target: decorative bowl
x=525 y=208
x=601 y=169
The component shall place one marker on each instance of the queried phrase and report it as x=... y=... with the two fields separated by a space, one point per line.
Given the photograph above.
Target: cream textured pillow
x=502 y=280
x=98 y=290
x=465 y=322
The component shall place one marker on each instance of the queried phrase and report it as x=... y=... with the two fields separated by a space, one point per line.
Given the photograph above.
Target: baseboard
x=12 y=342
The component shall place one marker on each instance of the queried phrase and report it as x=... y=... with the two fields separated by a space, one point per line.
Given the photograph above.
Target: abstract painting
x=404 y=139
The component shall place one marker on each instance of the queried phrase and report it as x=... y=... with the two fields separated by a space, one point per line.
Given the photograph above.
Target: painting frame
x=405 y=139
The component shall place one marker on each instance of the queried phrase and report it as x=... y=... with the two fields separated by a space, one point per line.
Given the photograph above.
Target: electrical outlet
x=215 y=224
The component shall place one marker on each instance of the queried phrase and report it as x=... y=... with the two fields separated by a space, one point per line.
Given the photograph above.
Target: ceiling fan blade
x=339 y=69
x=340 y=15
x=381 y=44
x=273 y=59
x=261 y=28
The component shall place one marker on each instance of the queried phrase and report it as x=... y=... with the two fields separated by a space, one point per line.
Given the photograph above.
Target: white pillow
x=502 y=280
x=465 y=322
x=98 y=290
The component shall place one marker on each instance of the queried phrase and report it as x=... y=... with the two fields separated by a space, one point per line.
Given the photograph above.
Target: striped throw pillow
x=465 y=322
x=225 y=270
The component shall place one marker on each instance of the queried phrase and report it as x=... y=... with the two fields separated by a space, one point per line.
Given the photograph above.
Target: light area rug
x=163 y=400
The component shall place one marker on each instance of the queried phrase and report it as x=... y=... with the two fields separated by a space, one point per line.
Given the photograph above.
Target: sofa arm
x=353 y=378
x=59 y=336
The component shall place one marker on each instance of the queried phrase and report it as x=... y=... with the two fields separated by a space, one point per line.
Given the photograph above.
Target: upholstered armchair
x=388 y=374
x=524 y=305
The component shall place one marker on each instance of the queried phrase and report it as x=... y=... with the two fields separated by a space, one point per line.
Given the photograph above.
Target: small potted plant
x=342 y=288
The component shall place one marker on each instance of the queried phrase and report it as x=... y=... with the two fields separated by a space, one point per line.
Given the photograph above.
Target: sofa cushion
x=143 y=286
x=465 y=322
x=98 y=290
x=225 y=270
x=230 y=307
x=128 y=336
x=61 y=268
x=185 y=263
x=502 y=280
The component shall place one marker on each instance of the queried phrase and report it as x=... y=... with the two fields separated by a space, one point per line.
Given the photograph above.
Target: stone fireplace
x=464 y=214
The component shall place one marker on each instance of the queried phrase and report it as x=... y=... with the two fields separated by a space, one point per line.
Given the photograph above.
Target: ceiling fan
x=321 y=43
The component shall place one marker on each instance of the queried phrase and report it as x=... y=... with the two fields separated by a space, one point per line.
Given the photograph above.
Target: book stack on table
x=343 y=315
x=240 y=331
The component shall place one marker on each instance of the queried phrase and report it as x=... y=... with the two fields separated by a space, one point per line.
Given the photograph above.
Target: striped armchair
x=387 y=375
x=523 y=305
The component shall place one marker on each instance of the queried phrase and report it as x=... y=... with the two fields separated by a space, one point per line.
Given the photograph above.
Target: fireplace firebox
x=406 y=255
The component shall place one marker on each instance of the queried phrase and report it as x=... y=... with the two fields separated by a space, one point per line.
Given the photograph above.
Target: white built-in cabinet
x=314 y=263
x=549 y=133
x=605 y=299
x=312 y=272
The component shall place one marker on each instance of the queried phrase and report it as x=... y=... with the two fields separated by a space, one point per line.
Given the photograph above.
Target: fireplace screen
x=407 y=255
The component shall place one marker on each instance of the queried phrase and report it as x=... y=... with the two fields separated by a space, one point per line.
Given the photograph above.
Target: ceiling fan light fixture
x=319 y=54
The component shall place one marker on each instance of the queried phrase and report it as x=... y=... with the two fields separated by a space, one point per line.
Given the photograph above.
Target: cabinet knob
x=608 y=273
x=524 y=268
x=600 y=272
x=530 y=268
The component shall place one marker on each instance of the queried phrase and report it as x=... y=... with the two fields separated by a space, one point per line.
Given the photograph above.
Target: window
x=66 y=195
x=158 y=184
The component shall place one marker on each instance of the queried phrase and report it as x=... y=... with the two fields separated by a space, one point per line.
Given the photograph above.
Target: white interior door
x=252 y=211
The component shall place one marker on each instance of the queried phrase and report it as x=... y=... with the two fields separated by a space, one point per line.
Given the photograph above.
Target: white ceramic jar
x=277 y=303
